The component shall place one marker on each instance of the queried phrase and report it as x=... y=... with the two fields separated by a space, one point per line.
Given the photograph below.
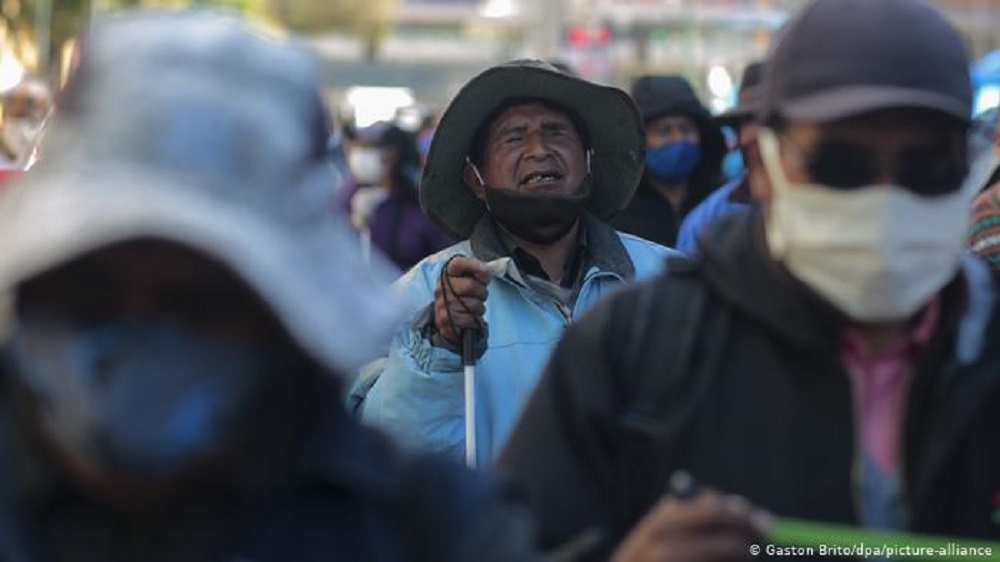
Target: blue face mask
x=673 y=162
x=732 y=165
x=163 y=398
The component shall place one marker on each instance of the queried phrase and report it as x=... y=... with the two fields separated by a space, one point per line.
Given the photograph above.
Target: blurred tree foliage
x=366 y=19
x=22 y=19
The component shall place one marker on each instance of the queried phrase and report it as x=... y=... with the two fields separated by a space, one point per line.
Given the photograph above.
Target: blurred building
x=437 y=45
x=979 y=20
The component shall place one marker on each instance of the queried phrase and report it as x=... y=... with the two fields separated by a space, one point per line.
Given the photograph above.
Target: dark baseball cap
x=840 y=58
x=749 y=96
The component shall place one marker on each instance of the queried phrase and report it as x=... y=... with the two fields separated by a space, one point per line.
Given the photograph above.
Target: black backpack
x=662 y=393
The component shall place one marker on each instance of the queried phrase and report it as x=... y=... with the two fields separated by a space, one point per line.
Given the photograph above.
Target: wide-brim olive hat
x=612 y=124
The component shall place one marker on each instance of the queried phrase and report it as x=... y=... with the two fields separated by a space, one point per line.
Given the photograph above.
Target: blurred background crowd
x=392 y=65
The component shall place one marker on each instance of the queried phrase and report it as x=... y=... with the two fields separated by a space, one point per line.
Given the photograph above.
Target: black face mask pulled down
x=541 y=218
x=147 y=401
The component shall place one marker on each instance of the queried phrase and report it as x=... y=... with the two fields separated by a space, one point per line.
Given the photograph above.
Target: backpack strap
x=667 y=374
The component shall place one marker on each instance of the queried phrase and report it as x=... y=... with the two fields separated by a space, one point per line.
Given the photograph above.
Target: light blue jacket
x=419 y=396
x=712 y=208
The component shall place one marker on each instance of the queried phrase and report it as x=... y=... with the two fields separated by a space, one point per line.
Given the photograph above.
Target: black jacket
x=341 y=494
x=731 y=370
x=649 y=215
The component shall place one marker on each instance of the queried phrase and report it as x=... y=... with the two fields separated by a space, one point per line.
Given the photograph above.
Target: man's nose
x=536 y=145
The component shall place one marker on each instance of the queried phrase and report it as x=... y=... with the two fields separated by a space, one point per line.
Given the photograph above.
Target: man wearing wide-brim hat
x=527 y=166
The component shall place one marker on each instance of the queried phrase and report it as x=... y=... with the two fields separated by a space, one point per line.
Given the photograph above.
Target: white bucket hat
x=192 y=128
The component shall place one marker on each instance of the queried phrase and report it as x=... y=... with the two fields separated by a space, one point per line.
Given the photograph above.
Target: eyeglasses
x=926 y=170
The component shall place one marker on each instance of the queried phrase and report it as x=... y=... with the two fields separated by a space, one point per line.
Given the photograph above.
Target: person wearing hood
x=735 y=195
x=173 y=339
x=838 y=361
x=25 y=110
x=684 y=152
x=527 y=166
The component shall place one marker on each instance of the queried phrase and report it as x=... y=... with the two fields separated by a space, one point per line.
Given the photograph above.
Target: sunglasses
x=925 y=170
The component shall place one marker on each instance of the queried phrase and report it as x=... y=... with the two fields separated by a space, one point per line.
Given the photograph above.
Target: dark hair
x=477 y=149
x=407 y=157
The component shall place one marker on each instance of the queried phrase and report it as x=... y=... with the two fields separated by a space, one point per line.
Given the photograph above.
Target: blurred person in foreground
x=838 y=362
x=25 y=110
x=735 y=195
x=173 y=337
x=684 y=152
x=984 y=234
x=527 y=166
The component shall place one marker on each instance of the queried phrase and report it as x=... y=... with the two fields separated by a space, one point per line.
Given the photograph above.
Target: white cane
x=469 y=364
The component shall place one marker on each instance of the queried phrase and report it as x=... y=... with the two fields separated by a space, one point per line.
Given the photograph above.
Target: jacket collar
x=736 y=264
x=605 y=250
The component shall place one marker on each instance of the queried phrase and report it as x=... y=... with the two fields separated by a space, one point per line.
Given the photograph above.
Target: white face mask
x=366 y=165
x=877 y=253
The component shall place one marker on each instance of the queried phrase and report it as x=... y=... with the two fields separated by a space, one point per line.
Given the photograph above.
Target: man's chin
x=548 y=188
x=542 y=235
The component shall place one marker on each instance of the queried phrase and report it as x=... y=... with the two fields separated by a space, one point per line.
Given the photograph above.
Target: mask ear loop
x=475 y=170
x=479 y=178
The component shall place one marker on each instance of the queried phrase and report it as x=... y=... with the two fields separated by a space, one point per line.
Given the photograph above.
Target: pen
x=682 y=485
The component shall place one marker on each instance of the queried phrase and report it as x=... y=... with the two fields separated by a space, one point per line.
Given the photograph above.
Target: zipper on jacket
x=855 y=480
x=905 y=499
x=566 y=312
x=856 y=493
x=541 y=300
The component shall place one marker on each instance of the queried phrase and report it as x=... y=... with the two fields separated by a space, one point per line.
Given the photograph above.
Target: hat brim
x=735 y=116
x=841 y=103
x=608 y=113
x=340 y=314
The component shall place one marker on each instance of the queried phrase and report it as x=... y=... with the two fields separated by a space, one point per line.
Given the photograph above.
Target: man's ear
x=760 y=183
x=471 y=181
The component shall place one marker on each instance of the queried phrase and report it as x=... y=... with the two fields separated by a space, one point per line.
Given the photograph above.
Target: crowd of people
x=226 y=337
